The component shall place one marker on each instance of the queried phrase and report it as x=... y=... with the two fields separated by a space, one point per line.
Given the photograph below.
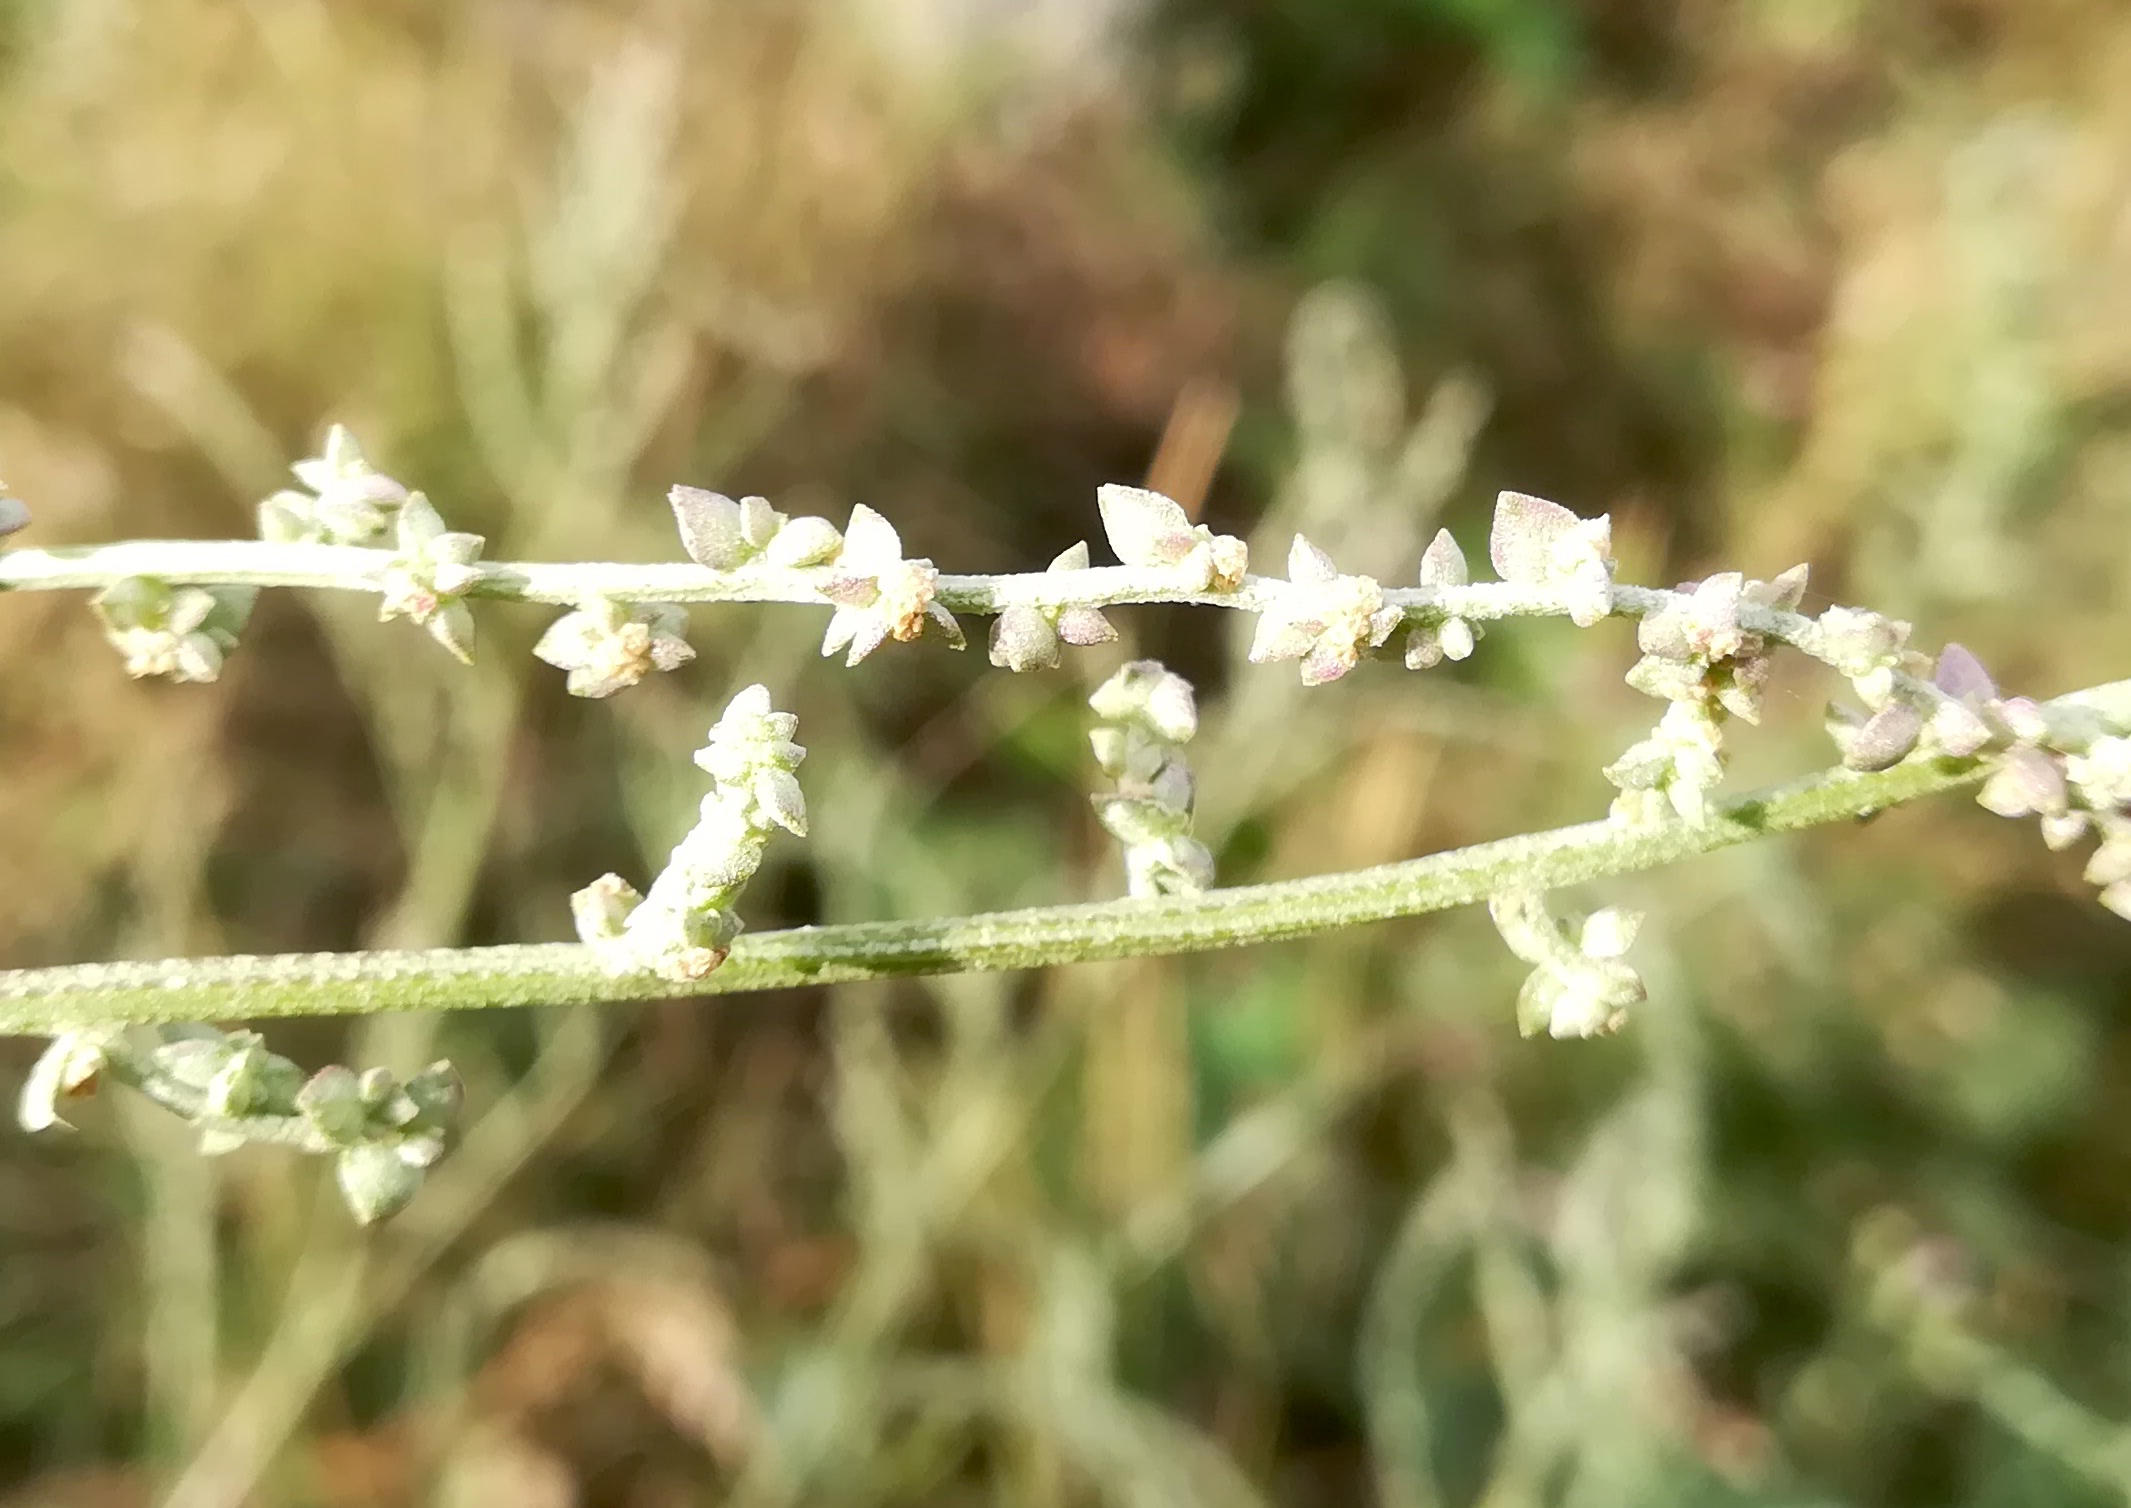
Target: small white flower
x=184 y=633
x=351 y=503
x=1681 y=761
x=1609 y=932
x=606 y=645
x=1147 y=529
x=1575 y=989
x=724 y=535
x=1323 y=619
x=1027 y=638
x=67 y=1069
x=1701 y=623
x=878 y=594
x=428 y=576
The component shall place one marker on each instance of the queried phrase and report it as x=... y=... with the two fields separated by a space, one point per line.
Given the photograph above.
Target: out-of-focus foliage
x=1838 y=1218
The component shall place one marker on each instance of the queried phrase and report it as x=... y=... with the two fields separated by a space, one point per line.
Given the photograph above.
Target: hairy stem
x=185 y=562
x=48 y=1001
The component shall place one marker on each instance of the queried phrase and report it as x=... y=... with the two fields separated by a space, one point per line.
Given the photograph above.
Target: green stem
x=48 y=1001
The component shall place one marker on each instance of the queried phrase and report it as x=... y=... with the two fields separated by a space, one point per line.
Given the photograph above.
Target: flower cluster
x=878 y=594
x=1323 y=619
x=383 y=1135
x=1705 y=653
x=390 y=1134
x=1445 y=636
x=1148 y=714
x=427 y=579
x=2060 y=765
x=1538 y=543
x=1027 y=638
x=606 y=645
x=349 y=503
x=1580 y=986
x=726 y=535
x=184 y=633
x=1698 y=655
x=685 y=926
x=1870 y=650
x=1147 y=529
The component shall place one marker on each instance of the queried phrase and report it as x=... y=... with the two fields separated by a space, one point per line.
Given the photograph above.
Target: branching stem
x=48 y=1001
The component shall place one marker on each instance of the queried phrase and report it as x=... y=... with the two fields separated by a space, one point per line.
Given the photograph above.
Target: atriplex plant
x=175 y=608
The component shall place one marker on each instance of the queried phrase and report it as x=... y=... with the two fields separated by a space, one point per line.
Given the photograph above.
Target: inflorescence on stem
x=177 y=608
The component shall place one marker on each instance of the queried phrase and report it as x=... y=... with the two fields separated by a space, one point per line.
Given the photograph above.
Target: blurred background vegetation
x=1840 y=1218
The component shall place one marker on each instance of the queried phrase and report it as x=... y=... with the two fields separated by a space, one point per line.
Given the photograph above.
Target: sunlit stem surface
x=47 y=1001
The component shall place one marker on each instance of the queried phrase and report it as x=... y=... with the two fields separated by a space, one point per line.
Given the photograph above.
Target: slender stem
x=256 y=563
x=46 y=1001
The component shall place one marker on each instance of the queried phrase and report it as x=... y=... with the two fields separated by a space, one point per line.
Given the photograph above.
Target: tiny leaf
x=376 y=1181
x=1521 y=543
x=1960 y=674
x=1308 y=564
x=1143 y=527
x=1443 y=563
x=710 y=527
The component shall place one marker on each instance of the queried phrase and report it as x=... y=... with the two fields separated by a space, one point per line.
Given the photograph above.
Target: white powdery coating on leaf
x=1521 y=541
x=1443 y=562
x=1143 y=527
x=870 y=540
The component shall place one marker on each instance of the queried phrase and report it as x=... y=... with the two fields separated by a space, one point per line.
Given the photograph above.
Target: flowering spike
x=684 y=925
x=1148 y=714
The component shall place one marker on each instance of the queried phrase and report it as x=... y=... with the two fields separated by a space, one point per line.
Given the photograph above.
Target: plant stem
x=255 y=563
x=47 y=1001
